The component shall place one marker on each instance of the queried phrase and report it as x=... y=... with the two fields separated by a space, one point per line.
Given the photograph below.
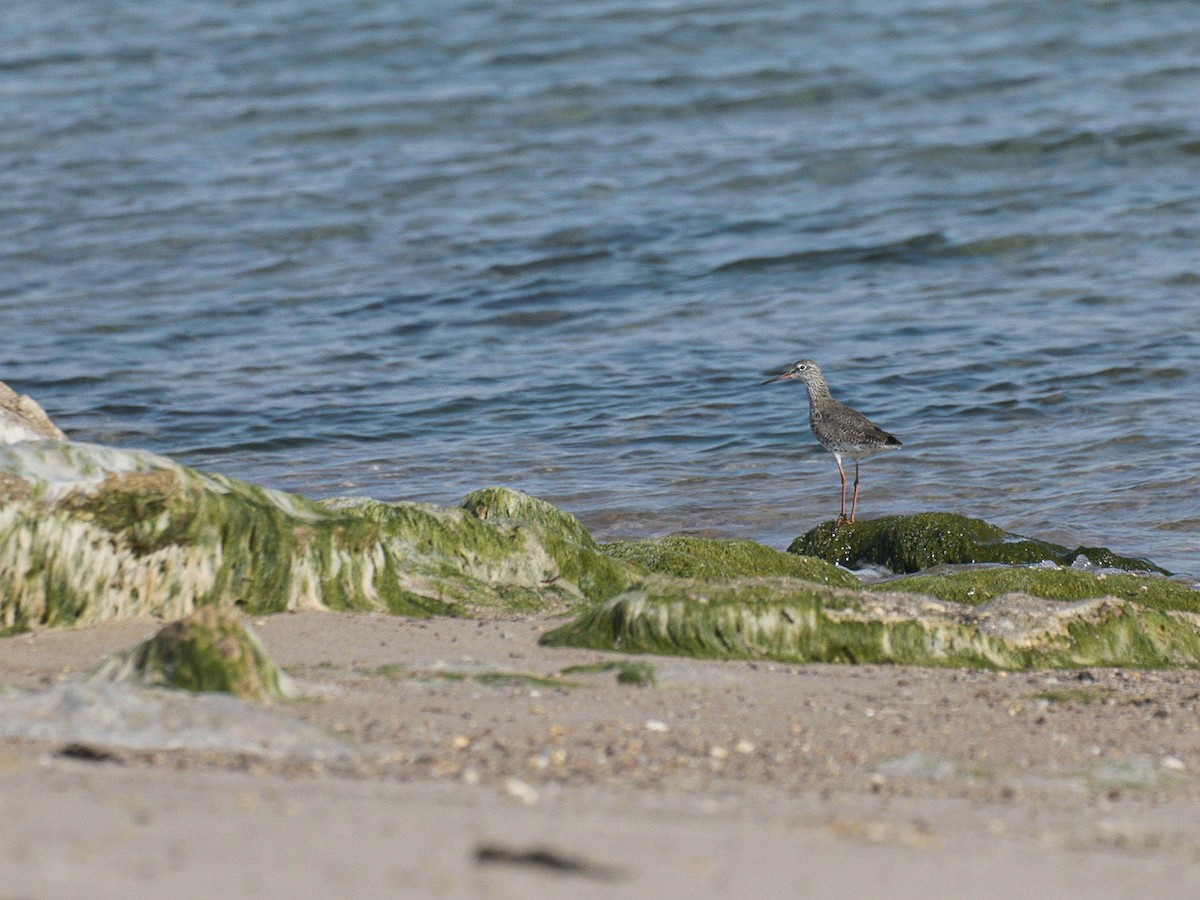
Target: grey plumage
x=843 y=431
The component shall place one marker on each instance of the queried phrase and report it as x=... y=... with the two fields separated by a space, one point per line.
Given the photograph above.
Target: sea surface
x=408 y=249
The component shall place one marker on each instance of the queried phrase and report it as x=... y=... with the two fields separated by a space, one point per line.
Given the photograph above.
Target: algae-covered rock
x=793 y=621
x=493 y=561
x=980 y=585
x=693 y=557
x=916 y=542
x=579 y=559
x=90 y=533
x=209 y=650
x=505 y=503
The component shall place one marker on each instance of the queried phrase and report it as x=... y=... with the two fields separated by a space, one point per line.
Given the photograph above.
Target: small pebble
x=518 y=789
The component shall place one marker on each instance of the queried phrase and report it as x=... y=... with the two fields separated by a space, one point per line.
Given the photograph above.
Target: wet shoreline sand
x=476 y=766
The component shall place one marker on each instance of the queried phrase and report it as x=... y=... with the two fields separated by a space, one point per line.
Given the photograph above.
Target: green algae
x=209 y=650
x=506 y=503
x=639 y=674
x=635 y=673
x=499 y=679
x=20 y=626
x=524 y=548
x=92 y=533
x=387 y=670
x=684 y=556
x=98 y=533
x=980 y=585
x=915 y=542
x=793 y=621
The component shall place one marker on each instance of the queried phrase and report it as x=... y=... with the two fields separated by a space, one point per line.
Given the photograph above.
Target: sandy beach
x=467 y=762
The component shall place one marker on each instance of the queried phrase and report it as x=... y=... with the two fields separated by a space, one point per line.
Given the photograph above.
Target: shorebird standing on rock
x=839 y=429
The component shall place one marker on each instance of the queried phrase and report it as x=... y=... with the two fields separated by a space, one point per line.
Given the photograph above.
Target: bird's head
x=805 y=371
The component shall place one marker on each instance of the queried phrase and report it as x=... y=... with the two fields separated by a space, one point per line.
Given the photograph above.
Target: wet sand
x=474 y=766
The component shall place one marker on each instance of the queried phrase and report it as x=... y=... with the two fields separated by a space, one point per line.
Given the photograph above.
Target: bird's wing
x=886 y=437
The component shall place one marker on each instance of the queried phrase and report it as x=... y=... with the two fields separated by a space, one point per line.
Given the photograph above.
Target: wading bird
x=839 y=429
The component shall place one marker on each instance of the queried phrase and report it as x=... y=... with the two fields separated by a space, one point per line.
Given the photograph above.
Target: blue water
x=406 y=249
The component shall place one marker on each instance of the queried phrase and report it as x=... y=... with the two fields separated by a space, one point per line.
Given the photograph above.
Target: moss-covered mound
x=916 y=542
x=505 y=503
x=793 y=621
x=980 y=585
x=209 y=650
x=694 y=557
x=90 y=533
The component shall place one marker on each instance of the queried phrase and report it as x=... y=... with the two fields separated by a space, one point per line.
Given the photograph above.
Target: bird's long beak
x=781 y=377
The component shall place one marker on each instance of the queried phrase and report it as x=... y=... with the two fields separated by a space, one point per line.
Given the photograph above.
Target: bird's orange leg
x=842 y=472
x=854 y=502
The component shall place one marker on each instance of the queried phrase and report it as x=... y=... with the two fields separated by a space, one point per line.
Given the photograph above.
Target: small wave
x=1153 y=140
x=243 y=447
x=1011 y=243
x=312 y=234
x=528 y=318
x=548 y=262
x=1182 y=279
x=1112 y=375
x=913 y=249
